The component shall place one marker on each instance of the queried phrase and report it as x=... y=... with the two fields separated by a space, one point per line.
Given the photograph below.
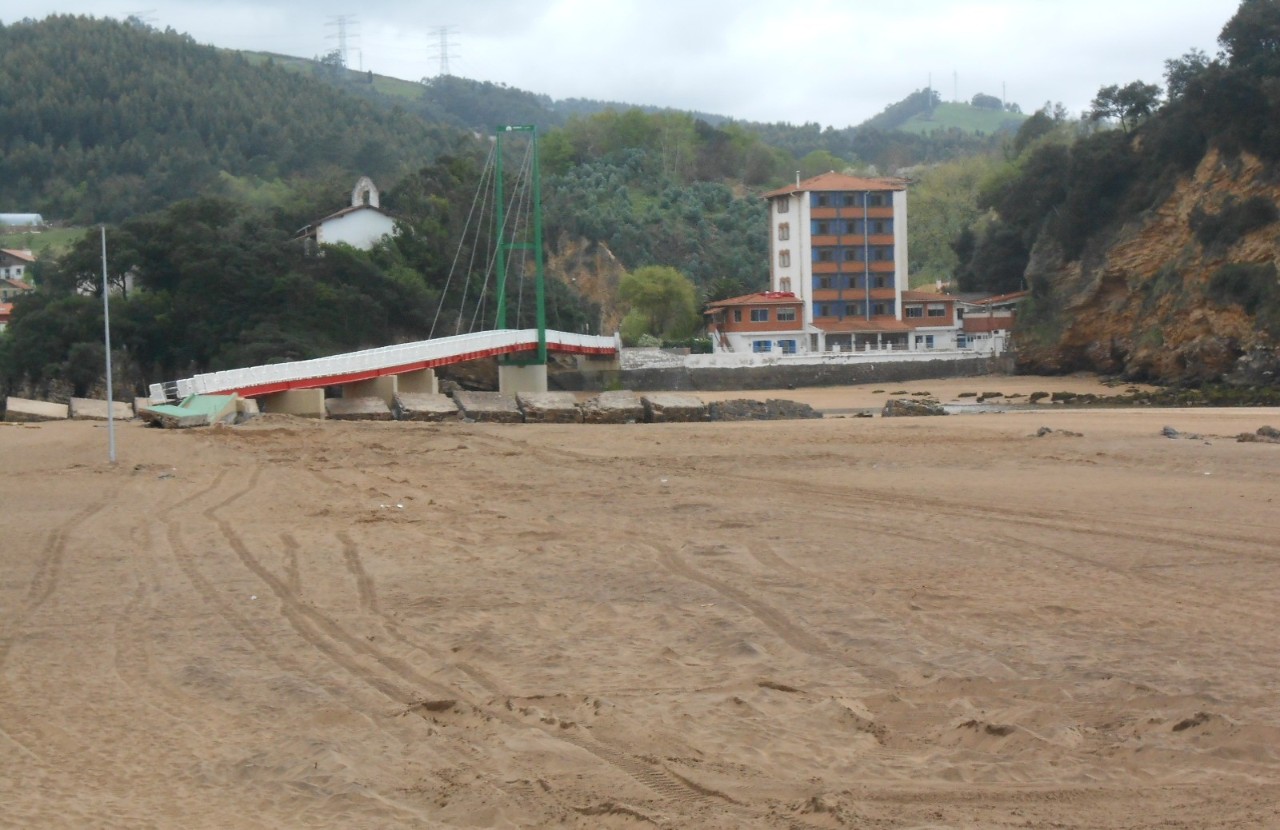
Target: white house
x=361 y=225
x=14 y=263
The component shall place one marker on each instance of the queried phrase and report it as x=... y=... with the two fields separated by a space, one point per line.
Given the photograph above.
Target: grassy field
x=47 y=243
x=395 y=87
x=964 y=117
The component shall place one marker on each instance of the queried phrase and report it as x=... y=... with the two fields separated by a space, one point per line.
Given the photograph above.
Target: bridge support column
x=309 y=403
x=381 y=387
x=421 y=382
x=515 y=379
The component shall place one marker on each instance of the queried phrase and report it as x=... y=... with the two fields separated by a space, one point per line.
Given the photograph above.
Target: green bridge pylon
x=507 y=244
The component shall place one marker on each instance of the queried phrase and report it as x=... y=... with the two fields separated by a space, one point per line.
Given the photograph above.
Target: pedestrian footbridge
x=414 y=361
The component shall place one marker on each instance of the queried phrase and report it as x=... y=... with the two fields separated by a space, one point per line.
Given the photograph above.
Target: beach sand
x=888 y=623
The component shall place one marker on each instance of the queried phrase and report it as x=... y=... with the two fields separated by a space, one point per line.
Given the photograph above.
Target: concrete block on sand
x=489 y=407
x=92 y=409
x=357 y=409
x=425 y=406
x=22 y=410
x=549 y=407
x=622 y=407
x=670 y=407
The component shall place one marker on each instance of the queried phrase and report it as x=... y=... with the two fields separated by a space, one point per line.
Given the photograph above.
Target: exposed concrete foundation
x=22 y=410
x=549 y=408
x=670 y=407
x=421 y=382
x=92 y=409
x=515 y=379
x=489 y=407
x=425 y=406
x=370 y=408
x=622 y=407
x=308 y=403
x=384 y=388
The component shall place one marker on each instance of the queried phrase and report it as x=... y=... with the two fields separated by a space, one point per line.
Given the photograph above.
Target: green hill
x=100 y=120
x=964 y=117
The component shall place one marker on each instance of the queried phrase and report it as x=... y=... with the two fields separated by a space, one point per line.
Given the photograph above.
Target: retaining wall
x=685 y=379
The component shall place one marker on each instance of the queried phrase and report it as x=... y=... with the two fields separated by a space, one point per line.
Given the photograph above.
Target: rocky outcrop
x=905 y=408
x=1138 y=303
x=592 y=270
x=774 y=409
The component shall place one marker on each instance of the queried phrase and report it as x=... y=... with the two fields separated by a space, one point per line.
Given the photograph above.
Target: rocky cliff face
x=593 y=270
x=1138 y=302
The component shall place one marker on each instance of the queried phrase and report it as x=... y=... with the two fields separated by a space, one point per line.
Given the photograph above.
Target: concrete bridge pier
x=383 y=387
x=421 y=382
x=309 y=403
x=515 y=379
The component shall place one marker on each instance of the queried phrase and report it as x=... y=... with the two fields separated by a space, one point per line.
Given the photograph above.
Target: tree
x=662 y=302
x=1128 y=104
x=986 y=102
x=1251 y=39
x=1180 y=72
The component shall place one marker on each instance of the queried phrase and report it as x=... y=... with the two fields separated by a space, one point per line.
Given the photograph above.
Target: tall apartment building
x=838 y=252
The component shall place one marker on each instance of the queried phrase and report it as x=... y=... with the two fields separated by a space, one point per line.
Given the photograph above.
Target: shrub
x=1218 y=231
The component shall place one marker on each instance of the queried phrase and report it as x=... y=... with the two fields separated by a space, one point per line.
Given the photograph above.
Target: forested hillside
x=101 y=120
x=205 y=163
x=1149 y=242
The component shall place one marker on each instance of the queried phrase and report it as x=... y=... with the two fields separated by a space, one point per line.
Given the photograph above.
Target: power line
x=441 y=49
x=342 y=22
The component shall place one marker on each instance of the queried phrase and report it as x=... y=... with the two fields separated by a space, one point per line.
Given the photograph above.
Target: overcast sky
x=836 y=63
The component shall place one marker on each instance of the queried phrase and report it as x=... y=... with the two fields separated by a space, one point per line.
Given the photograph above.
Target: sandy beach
x=887 y=623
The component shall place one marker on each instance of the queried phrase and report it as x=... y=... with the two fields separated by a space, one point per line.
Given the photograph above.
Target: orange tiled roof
x=926 y=297
x=20 y=253
x=18 y=284
x=759 y=298
x=1012 y=296
x=859 y=325
x=838 y=181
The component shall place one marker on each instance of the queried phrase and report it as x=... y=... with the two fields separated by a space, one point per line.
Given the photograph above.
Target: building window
x=915 y=311
x=824 y=283
x=784 y=259
x=924 y=341
x=937 y=310
x=821 y=310
x=759 y=315
x=852 y=309
x=759 y=346
x=784 y=284
x=879 y=282
x=875 y=200
x=786 y=315
x=784 y=231
x=877 y=309
x=819 y=200
x=784 y=204
x=882 y=253
x=821 y=228
x=737 y=315
x=850 y=254
x=824 y=256
x=787 y=346
x=961 y=343
x=882 y=226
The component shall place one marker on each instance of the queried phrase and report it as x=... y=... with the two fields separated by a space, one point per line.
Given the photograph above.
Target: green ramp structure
x=193 y=411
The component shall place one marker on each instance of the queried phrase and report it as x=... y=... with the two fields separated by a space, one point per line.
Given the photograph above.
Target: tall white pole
x=106 y=329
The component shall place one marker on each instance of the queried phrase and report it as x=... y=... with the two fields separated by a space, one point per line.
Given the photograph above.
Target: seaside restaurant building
x=838 y=266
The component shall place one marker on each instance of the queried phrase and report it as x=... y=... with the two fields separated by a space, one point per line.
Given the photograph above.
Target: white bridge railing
x=379 y=361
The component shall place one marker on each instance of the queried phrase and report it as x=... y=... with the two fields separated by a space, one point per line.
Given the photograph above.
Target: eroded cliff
x=1163 y=297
